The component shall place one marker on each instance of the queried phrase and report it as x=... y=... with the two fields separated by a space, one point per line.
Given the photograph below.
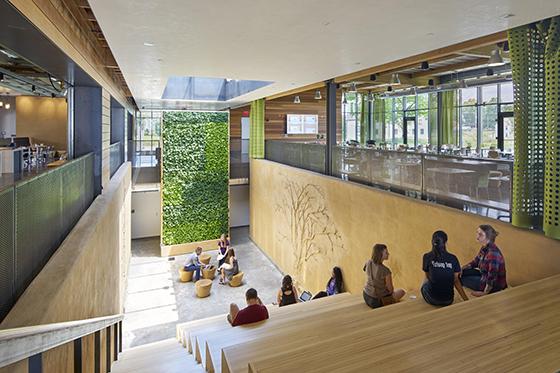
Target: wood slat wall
x=277 y=109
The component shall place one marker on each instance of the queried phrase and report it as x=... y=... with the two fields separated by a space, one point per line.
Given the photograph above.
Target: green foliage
x=195 y=178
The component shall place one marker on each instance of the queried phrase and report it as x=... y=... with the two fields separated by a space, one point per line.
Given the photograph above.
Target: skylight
x=208 y=89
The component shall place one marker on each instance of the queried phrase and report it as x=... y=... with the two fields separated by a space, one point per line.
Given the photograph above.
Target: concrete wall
x=308 y=223
x=239 y=205
x=86 y=277
x=146 y=210
x=43 y=119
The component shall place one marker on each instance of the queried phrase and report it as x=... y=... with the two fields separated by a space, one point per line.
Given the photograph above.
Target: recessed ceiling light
x=508 y=15
x=146 y=44
x=357 y=63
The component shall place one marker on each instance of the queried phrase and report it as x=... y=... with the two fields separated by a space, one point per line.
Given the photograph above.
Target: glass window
x=388 y=120
x=422 y=123
x=468 y=96
x=422 y=101
x=508 y=134
x=398 y=125
x=489 y=94
x=410 y=102
x=399 y=103
x=489 y=123
x=147 y=138
x=506 y=93
x=468 y=126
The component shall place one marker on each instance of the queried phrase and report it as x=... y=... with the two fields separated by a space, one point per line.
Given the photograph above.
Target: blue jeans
x=471 y=278
x=196 y=269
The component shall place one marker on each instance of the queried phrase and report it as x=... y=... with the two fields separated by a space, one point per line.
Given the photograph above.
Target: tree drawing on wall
x=311 y=233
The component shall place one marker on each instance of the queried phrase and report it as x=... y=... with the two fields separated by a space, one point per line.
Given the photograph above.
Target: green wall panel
x=195 y=176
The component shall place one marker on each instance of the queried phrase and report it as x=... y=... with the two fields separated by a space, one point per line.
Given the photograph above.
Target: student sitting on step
x=335 y=285
x=255 y=311
x=223 y=247
x=288 y=293
x=379 y=290
x=486 y=273
x=192 y=264
x=230 y=267
x=442 y=271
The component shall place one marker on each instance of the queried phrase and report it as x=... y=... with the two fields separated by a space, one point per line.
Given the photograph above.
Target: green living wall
x=195 y=177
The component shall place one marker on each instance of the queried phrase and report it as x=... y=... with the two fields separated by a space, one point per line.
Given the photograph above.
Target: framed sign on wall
x=302 y=124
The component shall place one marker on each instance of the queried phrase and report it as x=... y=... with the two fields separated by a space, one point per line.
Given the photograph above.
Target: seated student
x=288 y=293
x=223 y=246
x=192 y=264
x=230 y=267
x=379 y=290
x=255 y=311
x=335 y=284
x=442 y=272
x=486 y=273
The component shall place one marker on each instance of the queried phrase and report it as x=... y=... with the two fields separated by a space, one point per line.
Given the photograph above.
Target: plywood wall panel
x=341 y=221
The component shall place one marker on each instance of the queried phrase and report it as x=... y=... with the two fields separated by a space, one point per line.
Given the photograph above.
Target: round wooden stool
x=204 y=258
x=185 y=276
x=209 y=273
x=203 y=288
x=236 y=280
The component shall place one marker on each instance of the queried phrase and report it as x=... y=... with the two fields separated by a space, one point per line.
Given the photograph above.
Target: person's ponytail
x=439 y=241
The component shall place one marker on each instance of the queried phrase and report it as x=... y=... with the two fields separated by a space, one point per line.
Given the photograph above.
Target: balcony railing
x=480 y=183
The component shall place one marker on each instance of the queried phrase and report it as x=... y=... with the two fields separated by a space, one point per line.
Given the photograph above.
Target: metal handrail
x=21 y=343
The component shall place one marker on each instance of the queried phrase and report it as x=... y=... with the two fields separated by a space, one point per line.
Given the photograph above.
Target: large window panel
x=489 y=94
x=468 y=126
x=489 y=123
x=398 y=125
x=423 y=127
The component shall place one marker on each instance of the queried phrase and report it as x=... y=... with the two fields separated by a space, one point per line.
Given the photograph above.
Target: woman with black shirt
x=288 y=293
x=442 y=273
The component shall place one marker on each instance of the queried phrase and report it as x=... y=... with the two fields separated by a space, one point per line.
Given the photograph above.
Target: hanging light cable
x=297 y=100
x=318 y=95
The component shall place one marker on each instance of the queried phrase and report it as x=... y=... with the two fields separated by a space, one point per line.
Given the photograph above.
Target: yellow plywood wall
x=44 y=119
x=307 y=223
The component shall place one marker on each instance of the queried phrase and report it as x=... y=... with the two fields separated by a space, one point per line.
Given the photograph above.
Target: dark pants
x=196 y=269
x=426 y=291
x=471 y=279
x=320 y=294
x=371 y=301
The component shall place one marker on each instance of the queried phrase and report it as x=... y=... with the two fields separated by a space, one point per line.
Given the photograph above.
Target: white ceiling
x=290 y=42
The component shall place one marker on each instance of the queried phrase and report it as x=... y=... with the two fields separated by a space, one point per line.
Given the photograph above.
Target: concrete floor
x=157 y=301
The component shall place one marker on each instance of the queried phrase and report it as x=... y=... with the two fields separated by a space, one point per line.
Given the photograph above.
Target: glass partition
x=479 y=184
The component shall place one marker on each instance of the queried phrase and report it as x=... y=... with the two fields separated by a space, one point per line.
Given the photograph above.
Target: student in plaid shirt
x=486 y=273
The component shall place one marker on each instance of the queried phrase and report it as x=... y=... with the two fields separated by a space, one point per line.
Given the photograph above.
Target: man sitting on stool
x=192 y=264
x=255 y=311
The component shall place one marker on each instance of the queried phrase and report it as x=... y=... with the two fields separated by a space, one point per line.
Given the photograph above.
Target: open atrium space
x=279 y=186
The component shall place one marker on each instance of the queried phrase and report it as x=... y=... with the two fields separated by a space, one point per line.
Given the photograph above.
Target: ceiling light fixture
x=33 y=89
x=344 y=101
x=505 y=48
x=353 y=87
x=1 y=104
x=489 y=72
x=462 y=83
x=1 y=77
x=425 y=65
x=431 y=82
x=395 y=79
x=389 y=89
x=297 y=100
x=495 y=58
x=373 y=77
x=7 y=106
x=146 y=44
x=318 y=95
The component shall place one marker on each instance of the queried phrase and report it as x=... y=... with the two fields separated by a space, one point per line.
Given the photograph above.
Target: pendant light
x=395 y=79
x=344 y=101
x=389 y=89
x=495 y=58
x=1 y=103
x=489 y=72
x=7 y=106
x=425 y=65
x=353 y=87
x=318 y=95
x=373 y=77
x=431 y=82
x=1 y=77
x=297 y=100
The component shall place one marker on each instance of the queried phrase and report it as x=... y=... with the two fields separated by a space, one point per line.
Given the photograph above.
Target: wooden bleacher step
x=514 y=330
x=300 y=333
